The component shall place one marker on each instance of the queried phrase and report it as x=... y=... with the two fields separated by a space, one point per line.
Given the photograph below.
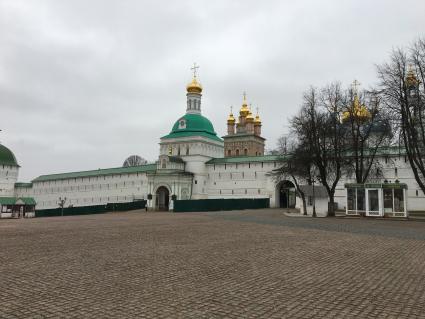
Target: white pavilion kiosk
x=377 y=200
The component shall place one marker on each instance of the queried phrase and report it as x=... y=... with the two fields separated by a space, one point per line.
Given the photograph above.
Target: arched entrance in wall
x=285 y=194
x=162 y=198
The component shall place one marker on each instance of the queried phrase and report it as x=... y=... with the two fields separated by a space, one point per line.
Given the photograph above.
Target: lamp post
x=314 y=199
x=312 y=180
x=62 y=204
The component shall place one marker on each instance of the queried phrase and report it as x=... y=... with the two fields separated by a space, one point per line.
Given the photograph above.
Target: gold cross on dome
x=231 y=109
x=257 y=109
x=194 y=68
x=355 y=85
x=244 y=95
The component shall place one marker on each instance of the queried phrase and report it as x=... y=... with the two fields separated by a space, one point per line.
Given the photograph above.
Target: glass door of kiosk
x=373 y=202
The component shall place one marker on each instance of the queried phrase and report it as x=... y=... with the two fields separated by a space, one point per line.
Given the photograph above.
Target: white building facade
x=192 y=164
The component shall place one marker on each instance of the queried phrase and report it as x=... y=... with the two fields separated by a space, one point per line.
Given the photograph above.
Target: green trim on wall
x=98 y=172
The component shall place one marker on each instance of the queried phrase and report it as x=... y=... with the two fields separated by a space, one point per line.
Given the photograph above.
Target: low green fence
x=140 y=204
x=88 y=210
x=207 y=205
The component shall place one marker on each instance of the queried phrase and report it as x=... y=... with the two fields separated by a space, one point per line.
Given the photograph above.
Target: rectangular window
x=398 y=200
x=361 y=200
x=373 y=200
x=351 y=198
x=388 y=200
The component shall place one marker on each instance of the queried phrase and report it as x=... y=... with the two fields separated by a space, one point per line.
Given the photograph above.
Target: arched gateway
x=285 y=194
x=162 y=198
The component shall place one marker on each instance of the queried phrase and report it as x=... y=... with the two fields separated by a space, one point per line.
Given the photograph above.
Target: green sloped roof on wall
x=23 y=185
x=245 y=159
x=13 y=200
x=7 y=157
x=98 y=172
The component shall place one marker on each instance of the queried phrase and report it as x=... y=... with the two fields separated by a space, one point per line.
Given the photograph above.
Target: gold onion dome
x=249 y=117
x=357 y=110
x=411 y=79
x=257 y=120
x=194 y=86
x=231 y=119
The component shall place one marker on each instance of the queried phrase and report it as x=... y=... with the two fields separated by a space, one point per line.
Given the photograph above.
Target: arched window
x=237 y=152
x=245 y=152
x=178 y=151
x=163 y=164
x=229 y=152
x=187 y=150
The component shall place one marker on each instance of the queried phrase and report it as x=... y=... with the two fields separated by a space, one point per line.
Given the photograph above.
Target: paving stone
x=246 y=264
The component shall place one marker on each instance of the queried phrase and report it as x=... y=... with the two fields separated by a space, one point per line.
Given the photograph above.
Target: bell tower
x=194 y=94
x=244 y=137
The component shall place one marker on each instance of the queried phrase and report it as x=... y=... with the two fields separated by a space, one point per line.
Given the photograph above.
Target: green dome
x=7 y=157
x=193 y=125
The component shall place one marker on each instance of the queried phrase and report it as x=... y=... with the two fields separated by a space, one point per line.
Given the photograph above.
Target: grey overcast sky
x=84 y=84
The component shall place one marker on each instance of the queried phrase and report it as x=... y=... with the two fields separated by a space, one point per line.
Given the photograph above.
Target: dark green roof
x=7 y=157
x=245 y=159
x=98 y=172
x=23 y=185
x=195 y=125
x=13 y=200
x=382 y=151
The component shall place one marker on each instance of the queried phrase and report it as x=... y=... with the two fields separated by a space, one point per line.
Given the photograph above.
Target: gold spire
x=194 y=86
x=411 y=79
x=231 y=119
x=244 y=111
x=257 y=120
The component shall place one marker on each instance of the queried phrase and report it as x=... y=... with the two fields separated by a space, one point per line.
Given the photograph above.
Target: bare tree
x=402 y=81
x=134 y=160
x=318 y=127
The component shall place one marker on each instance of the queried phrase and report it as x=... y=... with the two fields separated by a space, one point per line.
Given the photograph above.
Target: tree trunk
x=331 y=206
x=304 y=203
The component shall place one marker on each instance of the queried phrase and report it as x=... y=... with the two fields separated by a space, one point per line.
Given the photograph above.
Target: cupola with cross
x=194 y=93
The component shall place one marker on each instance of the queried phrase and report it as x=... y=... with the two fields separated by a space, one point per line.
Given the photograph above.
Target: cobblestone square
x=250 y=264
